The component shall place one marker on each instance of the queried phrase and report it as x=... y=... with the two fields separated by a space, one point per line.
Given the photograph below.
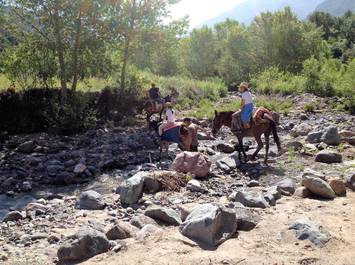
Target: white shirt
x=247 y=97
x=170 y=116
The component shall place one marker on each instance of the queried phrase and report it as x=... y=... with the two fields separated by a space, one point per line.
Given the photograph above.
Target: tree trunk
x=75 y=52
x=60 y=51
x=126 y=51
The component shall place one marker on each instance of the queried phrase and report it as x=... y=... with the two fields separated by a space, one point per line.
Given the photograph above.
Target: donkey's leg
x=267 y=145
x=241 y=149
x=260 y=146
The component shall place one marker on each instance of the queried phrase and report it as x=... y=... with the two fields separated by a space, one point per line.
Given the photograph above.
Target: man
x=194 y=128
x=155 y=95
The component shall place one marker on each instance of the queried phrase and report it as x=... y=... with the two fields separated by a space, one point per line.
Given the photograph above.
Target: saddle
x=262 y=115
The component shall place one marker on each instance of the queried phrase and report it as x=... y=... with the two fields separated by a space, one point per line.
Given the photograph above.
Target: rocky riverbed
x=70 y=199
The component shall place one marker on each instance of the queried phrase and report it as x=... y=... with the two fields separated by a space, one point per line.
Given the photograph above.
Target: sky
x=201 y=10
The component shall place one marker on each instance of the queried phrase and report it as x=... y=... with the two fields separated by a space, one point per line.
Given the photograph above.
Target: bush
x=309 y=108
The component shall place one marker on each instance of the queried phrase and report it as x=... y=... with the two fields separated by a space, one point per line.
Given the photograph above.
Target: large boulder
x=286 y=186
x=84 y=244
x=318 y=187
x=331 y=136
x=131 y=190
x=166 y=215
x=210 y=224
x=306 y=229
x=91 y=200
x=300 y=130
x=251 y=199
x=122 y=230
x=329 y=157
x=191 y=162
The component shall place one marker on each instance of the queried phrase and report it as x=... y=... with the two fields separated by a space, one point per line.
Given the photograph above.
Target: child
x=170 y=117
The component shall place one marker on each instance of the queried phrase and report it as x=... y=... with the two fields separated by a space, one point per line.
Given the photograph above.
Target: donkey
x=256 y=130
x=185 y=136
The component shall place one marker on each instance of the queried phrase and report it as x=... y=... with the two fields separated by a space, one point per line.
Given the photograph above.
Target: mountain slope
x=246 y=11
x=336 y=7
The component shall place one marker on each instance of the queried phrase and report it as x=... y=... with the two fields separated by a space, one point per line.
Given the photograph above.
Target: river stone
x=166 y=215
x=286 y=186
x=308 y=172
x=329 y=157
x=80 y=168
x=195 y=186
x=300 y=130
x=84 y=244
x=122 y=230
x=131 y=190
x=314 y=137
x=296 y=145
x=13 y=216
x=302 y=192
x=318 y=187
x=275 y=192
x=246 y=220
x=90 y=200
x=331 y=136
x=337 y=184
x=350 y=179
x=251 y=199
x=26 y=147
x=148 y=230
x=151 y=184
x=306 y=229
x=228 y=163
x=225 y=148
x=142 y=220
x=210 y=224
x=192 y=162
x=186 y=209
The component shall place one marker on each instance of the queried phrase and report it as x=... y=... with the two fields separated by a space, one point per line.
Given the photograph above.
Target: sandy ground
x=269 y=243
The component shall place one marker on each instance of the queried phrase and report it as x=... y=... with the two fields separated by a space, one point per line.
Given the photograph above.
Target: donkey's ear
x=215 y=112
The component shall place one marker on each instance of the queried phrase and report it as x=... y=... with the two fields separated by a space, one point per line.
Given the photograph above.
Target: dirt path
x=269 y=243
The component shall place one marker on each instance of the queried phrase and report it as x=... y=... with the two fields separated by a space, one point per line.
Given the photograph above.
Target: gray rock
x=148 y=230
x=90 y=200
x=251 y=199
x=306 y=229
x=312 y=173
x=166 y=215
x=122 y=230
x=228 y=163
x=275 y=192
x=26 y=147
x=246 y=220
x=286 y=186
x=12 y=216
x=253 y=183
x=84 y=244
x=314 y=137
x=329 y=157
x=80 y=168
x=331 y=136
x=225 y=148
x=318 y=187
x=131 y=190
x=142 y=220
x=269 y=198
x=300 y=130
x=210 y=224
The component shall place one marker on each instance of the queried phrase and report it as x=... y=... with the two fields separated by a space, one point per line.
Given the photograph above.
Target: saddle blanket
x=171 y=134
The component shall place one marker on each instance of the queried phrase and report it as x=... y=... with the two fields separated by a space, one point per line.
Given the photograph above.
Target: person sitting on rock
x=241 y=119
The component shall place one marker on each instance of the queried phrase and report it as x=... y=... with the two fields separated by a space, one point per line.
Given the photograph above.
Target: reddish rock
x=194 y=163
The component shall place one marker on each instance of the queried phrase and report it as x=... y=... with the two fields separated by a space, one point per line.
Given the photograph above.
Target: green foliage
x=309 y=107
x=272 y=80
x=75 y=115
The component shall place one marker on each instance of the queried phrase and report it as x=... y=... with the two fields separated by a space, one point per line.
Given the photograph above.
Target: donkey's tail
x=274 y=133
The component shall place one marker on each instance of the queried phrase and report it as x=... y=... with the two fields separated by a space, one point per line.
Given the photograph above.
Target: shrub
x=309 y=108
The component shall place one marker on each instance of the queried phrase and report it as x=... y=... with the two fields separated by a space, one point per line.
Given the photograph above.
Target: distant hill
x=336 y=7
x=246 y=11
